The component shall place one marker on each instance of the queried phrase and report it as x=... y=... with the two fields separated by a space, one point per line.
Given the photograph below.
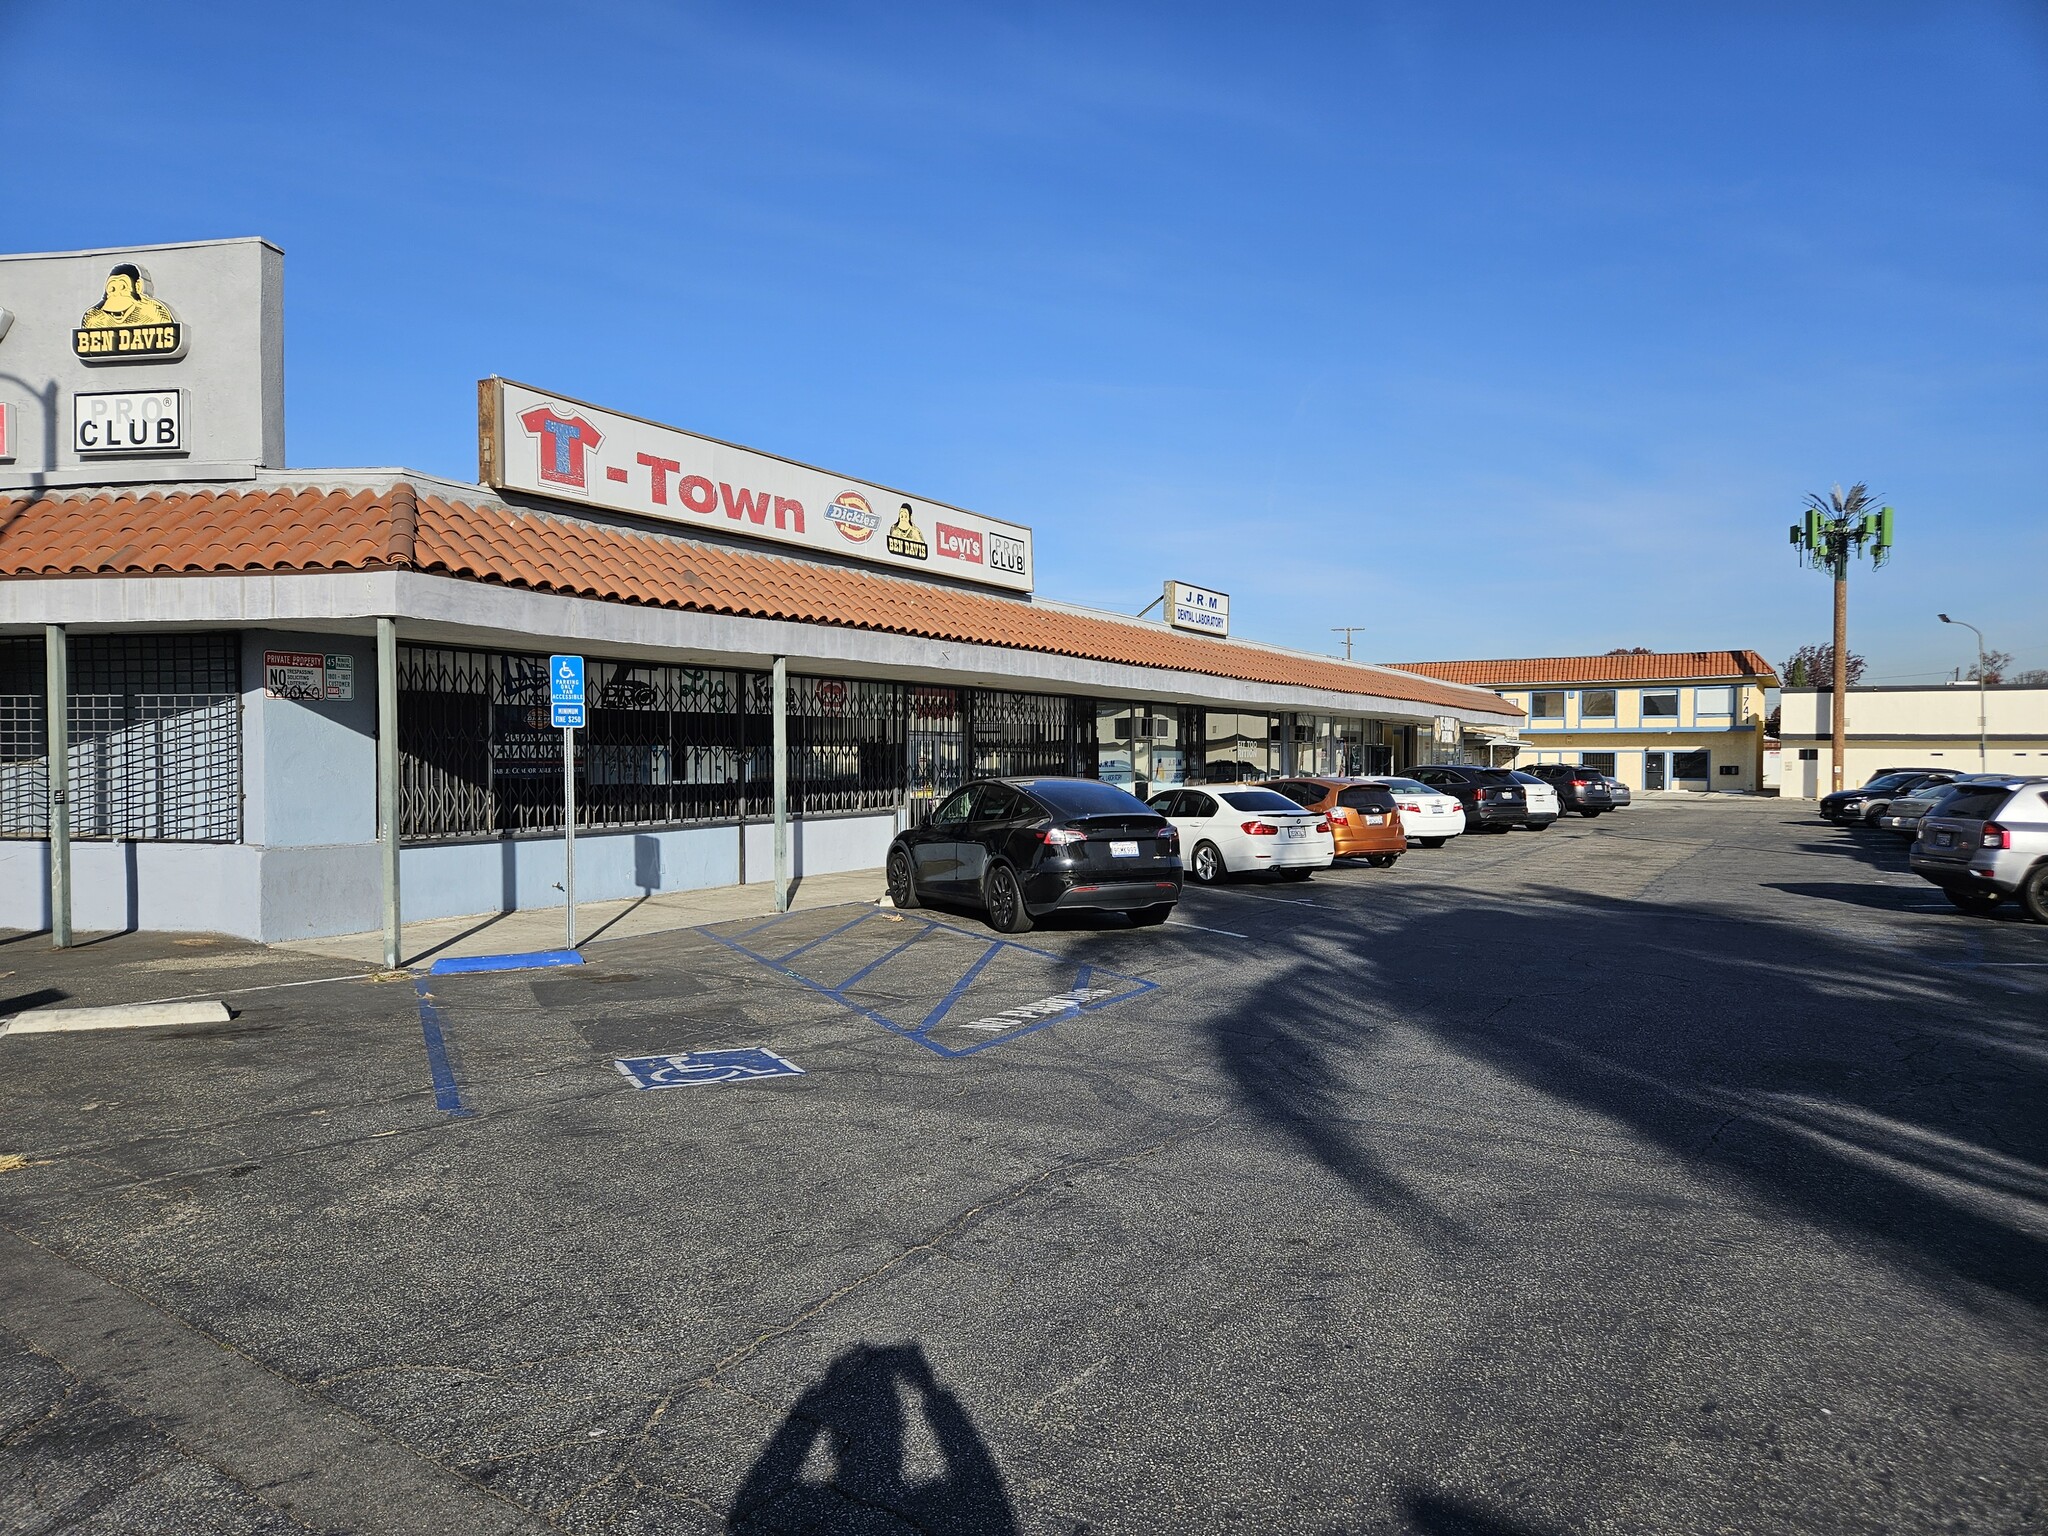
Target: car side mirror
x=924 y=818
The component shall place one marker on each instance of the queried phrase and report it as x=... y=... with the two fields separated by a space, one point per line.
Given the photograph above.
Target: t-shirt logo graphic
x=562 y=441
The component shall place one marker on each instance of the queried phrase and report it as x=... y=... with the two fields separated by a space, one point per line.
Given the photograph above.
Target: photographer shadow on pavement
x=858 y=1413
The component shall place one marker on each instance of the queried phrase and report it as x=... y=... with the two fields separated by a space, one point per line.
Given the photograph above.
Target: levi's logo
x=959 y=543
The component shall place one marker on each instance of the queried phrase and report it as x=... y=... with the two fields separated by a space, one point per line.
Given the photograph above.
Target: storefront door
x=1653 y=769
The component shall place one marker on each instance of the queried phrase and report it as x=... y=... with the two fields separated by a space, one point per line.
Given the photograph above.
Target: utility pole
x=1347 y=631
x=1983 y=739
x=1837 y=527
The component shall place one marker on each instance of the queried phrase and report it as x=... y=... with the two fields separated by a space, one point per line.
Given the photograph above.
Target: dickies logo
x=853 y=517
x=959 y=543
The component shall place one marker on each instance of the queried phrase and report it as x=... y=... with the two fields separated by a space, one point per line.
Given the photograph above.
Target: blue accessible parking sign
x=565 y=692
x=693 y=1069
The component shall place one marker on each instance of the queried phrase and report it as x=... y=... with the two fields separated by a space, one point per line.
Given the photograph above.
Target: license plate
x=1373 y=821
x=1123 y=850
x=1297 y=831
x=1945 y=839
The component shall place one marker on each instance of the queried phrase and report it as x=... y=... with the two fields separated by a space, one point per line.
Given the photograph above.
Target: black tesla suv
x=1023 y=848
x=1492 y=800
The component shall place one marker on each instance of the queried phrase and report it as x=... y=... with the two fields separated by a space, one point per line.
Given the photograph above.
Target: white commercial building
x=2000 y=729
x=250 y=698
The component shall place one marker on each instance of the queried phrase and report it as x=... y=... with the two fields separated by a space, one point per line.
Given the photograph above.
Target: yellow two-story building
x=1658 y=720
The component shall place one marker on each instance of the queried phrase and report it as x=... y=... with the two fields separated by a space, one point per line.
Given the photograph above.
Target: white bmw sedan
x=1229 y=831
x=1429 y=817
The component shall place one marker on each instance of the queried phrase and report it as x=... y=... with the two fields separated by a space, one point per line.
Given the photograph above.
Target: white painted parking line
x=1278 y=901
x=1174 y=922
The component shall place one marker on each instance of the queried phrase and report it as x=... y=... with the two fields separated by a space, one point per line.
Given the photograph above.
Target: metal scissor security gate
x=156 y=738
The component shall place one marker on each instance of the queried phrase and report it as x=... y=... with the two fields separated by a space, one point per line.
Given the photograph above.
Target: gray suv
x=1987 y=840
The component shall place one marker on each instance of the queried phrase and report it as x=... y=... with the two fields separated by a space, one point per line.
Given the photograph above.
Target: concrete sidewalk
x=502 y=933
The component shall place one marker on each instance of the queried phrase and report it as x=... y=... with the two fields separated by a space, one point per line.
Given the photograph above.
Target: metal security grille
x=156 y=738
x=1021 y=734
x=24 y=749
x=665 y=745
x=846 y=744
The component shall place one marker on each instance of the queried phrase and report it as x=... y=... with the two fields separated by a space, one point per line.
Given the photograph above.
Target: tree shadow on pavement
x=858 y=1413
x=1872 y=1094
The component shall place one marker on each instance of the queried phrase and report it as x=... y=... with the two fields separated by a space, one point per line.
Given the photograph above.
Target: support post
x=387 y=782
x=569 y=830
x=780 y=687
x=57 y=688
x=1840 y=711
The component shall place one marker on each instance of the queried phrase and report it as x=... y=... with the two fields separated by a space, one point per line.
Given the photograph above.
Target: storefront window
x=1118 y=754
x=1239 y=747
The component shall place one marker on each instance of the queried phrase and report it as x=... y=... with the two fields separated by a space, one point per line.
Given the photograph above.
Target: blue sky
x=1494 y=329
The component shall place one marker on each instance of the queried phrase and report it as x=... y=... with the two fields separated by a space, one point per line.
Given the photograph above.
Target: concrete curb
x=49 y=1021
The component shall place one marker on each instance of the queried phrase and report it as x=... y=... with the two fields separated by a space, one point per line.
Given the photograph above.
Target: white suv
x=1987 y=839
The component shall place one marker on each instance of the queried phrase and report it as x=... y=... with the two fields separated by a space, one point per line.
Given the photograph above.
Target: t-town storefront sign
x=549 y=445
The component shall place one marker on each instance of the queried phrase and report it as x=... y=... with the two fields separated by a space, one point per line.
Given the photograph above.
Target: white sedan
x=1430 y=818
x=1227 y=831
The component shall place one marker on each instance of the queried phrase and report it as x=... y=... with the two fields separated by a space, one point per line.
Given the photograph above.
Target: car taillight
x=1415 y=808
x=1169 y=839
x=1063 y=837
x=1261 y=829
x=1323 y=825
x=1340 y=815
x=1996 y=836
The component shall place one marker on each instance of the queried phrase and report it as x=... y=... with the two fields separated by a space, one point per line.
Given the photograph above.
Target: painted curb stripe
x=447 y=1096
x=539 y=959
x=50 y=1021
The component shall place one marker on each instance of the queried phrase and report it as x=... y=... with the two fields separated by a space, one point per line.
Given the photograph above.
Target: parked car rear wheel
x=1206 y=864
x=1589 y=815
x=1972 y=898
x=1381 y=860
x=1535 y=826
x=1296 y=874
x=1150 y=917
x=1003 y=899
x=902 y=886
x=2033 y=893
x=1432 y=842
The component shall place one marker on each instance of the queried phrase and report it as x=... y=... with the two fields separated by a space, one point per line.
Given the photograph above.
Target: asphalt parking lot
x=1682 y=1171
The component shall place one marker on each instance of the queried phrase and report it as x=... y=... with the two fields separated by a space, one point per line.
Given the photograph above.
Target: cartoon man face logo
x=127 y=302
x=904 y=537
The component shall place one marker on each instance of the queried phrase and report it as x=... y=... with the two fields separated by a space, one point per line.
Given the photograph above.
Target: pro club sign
x=549 y=445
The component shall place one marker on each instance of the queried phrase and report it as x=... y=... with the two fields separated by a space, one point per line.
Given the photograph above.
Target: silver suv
x=1987 y=840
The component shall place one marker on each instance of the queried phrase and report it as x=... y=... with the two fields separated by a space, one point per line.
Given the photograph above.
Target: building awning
x=396 y=525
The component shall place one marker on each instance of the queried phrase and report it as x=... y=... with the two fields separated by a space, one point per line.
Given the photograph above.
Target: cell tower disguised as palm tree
x=1838 y=527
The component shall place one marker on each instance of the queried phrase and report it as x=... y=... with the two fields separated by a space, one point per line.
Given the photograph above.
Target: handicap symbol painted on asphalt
x=691 y=1069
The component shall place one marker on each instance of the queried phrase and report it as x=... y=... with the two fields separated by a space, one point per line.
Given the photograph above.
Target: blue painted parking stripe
x=780 y=917
x=447 y=1096
x=875 y=965
x=952 y=997
x=821 y=938
x=534 y=960
x=921 y=1033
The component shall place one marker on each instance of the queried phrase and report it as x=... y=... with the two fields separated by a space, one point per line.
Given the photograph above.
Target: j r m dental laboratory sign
x=549 y=445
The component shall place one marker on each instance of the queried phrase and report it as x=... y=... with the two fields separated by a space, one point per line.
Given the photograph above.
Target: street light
x=1983 y=758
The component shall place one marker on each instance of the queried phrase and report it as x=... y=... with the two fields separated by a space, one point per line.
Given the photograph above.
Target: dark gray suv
x=1987 y=839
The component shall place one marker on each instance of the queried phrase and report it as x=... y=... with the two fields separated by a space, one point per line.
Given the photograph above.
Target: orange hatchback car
x=1363 y=818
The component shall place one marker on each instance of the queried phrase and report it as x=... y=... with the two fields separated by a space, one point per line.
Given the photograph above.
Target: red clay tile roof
x=108 y=533
x=1625 y=667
